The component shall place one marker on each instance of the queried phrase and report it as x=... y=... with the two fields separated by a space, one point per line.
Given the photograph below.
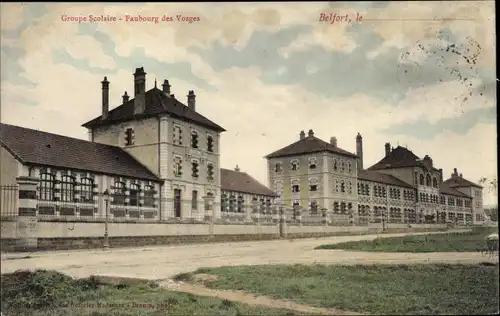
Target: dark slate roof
x=399 y=157
x=41 y=148
x=380 y=177
x=242 y=182
x=156 y=103
x=444 y=188
x=456 y=181
x=309 y=145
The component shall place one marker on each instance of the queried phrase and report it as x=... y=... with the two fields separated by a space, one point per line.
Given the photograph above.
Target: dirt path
x=249 y=299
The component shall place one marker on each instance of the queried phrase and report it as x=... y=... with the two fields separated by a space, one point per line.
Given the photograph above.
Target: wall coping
x=27 y=180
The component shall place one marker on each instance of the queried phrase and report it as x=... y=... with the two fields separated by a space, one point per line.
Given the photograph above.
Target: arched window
x=119 y=193
x=86 y=190
x=434 y=182
x=421 y=179
x=67 y=188
x=46 y=187
x=428 y=181
x=134 y=194
x=149 y=196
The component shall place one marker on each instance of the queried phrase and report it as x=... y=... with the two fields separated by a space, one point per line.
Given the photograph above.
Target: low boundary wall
x=65 y=235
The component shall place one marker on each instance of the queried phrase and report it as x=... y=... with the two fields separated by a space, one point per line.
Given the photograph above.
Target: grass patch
x=380 y=289
x=452 y=242
x=52 y=293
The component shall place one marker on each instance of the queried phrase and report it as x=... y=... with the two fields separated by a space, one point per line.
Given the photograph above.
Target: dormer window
x=194 y=139
x=278 y=167
x=129 y=137
x=210 y=144
x=312 y=163
x=295 y=164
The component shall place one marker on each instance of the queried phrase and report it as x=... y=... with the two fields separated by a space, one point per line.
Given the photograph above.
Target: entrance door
x=177 y=202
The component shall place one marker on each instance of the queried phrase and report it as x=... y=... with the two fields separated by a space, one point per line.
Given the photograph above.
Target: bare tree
x=490 y=183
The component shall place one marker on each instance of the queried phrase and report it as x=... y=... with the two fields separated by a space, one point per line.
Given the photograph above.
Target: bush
x=41 y=289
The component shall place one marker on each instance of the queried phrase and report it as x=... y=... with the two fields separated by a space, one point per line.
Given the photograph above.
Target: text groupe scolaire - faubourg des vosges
x=130 y=18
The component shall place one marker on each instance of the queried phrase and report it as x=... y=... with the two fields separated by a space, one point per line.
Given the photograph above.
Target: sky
x=415 y=74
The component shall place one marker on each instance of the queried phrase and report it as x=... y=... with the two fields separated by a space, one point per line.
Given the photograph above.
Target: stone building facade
x=313 y=175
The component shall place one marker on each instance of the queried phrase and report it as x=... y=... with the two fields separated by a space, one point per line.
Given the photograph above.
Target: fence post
x=26 y=227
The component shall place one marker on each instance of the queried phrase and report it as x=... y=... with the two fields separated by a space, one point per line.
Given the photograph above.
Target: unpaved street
x=162 y=262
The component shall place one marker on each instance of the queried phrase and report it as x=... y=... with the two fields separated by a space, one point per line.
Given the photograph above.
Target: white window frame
x=313 y=161
x=176 y=140
x=313 y=181
x=294 y=162
x=177 y=161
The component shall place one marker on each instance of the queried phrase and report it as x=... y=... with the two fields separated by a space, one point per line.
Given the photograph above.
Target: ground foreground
x=452 y=242
x=163 y=262
x=52 y=293
x=373 y=289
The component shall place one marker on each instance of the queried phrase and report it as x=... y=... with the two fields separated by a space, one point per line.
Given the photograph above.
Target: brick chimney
x=105 y=98
x=191 y=100
x=333 y=141
x=139 y=91
x=302 y=135
x=166 y=87
x=311 y=133
x=387 y=149
x=359 y=151
x=125 y=97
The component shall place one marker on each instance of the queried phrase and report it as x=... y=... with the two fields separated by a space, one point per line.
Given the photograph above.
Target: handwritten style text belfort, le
x=130 y=18
x=333 y=18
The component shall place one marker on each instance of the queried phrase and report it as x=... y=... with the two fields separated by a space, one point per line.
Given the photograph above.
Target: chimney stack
x=125 y=97
x=237 y=169
x=441 y=175
x=359 y=151
x=387 y=149
x=455 y=172
x=333 y=141
x=302 y=135
x=166 y=87
x=460 y=175
x=311 y=133
x=191 y=100
x=139 y=91
x=105 y=98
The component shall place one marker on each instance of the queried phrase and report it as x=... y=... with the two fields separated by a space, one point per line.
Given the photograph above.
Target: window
x=312 y=163
x=341 y=166
x=194 y=200
x=468 y=203
x=134 y=194
x=46 y=187
x=177 y=166
x=334 y=164
x=479 y=217
x=277 y=167
x=194 y=167
x=210 y=196
x=240 y=204
x=313 y=184
x=262 y=206
x=343 y=209
x=149 y=196
x=314 y=207
x=451 y=201
x=194 y=139
x=268 y=206
x=119 y=193
x=342 y=186
x=443 y=200
x=224 y=203
x=416 y=178
x=177 y=135
x=349 y=187
x=210 y=144
x=232 y=203
x=336 y=186
x=336 y=207
x=295 y=164
x=86 y=190
x=67 y=188
x=210 y=171
x=348 y=165
x=295 y=188
x=460 y=202
x=428 y=180
x=129 y=137
x=434 y=182
x=421 y=179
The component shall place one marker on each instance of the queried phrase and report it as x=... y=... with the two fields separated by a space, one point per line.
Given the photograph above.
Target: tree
x=491 y=184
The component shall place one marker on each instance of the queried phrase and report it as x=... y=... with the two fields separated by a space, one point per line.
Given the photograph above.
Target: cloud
x=83 y=47
x=11 y=15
